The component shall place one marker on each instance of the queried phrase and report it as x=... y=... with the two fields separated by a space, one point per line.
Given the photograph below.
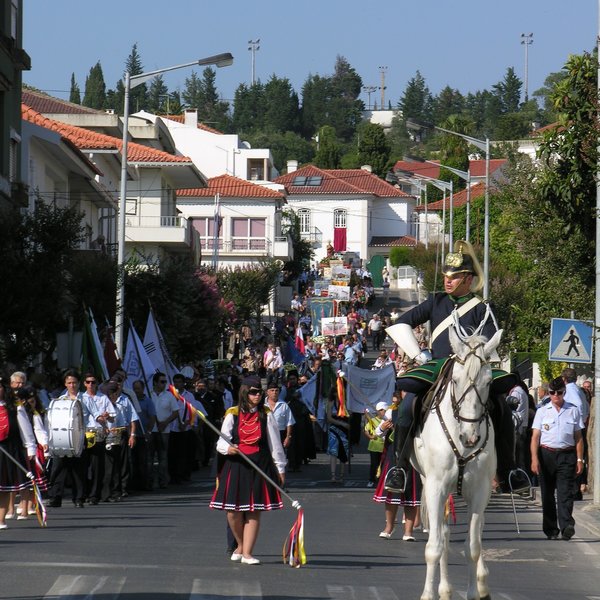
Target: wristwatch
x=581 y=460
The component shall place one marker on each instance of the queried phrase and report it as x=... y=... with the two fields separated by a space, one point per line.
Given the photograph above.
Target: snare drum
x=66 y=434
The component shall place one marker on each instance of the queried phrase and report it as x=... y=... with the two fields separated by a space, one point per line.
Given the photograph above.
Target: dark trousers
x=95 y=470
x=375 y=460
x=557 y=474
x=176 y=456
x=63 y=466
x=140 y=479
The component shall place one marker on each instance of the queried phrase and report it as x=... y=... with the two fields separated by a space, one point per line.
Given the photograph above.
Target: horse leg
x=477 y=587
x=435 y=544
x=445 y=589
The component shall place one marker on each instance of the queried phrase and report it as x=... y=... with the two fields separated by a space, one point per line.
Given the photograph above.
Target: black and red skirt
x=242 y=488
x=414 y=486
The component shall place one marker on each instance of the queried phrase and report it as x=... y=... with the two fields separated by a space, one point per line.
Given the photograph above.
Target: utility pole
x=526 y=40
x=254 y=48
x=369 y=89
x=382 y=71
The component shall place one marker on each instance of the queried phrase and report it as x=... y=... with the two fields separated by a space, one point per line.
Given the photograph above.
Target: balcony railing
x=314 y=235
x=238 y=245
x=165 y=229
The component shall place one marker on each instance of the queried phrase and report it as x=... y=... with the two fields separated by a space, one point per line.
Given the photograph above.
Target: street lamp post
x=132 y=81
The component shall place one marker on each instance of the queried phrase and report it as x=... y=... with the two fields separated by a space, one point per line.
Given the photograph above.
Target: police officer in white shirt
x=557 y=457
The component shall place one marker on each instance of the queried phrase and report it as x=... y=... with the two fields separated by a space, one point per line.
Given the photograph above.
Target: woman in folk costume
x=35 y=413
x=16 y=440
x=338 y=428
x=241 y=490
x=410 y=499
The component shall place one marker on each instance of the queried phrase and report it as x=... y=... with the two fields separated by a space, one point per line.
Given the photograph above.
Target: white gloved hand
x=423 y=357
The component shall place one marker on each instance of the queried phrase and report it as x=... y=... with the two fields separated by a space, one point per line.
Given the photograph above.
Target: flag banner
x=319 y=308
x=111 y=356
x=92 y=354
x=308 y=392
x=339 y=292
x=154 y=344
x=136 y=361
x=366 y=388
x=299 y=339
x=334 y=326
x=291 y=354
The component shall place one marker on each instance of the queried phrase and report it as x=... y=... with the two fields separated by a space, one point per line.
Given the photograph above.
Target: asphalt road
x=171 y=546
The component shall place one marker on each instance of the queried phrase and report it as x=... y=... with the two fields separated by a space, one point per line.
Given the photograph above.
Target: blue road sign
x=571 y=340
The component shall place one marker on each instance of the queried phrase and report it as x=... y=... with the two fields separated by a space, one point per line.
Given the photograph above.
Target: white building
x=217 y=153
x=351 y=209
x=248 y=218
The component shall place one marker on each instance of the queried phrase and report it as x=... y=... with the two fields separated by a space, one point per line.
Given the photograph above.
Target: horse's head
x=471 y=379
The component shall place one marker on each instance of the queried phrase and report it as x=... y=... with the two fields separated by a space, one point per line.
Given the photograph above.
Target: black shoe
x=94 y=501
x=568 y=532
x=54 y=503
x=78 y=504
x=553 y=536
x=395 y=480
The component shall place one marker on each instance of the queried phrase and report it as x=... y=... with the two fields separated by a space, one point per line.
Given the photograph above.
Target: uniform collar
x=462 y=299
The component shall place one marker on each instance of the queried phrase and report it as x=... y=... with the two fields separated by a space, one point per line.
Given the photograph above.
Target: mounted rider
x=463 y=277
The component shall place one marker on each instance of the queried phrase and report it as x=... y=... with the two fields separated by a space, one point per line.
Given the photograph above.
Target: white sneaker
x=250 y=561
x=236 y=557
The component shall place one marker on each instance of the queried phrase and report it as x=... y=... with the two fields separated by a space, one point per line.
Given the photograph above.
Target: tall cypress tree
x=138 y=96
x=158 y=96
x=95 y=88
x=75 y=93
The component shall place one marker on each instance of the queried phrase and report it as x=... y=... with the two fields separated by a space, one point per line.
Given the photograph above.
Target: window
x=248 y=234
x=312 y=181
x=131 y=206
x=14 y=19
x=304 y=218
x=256 y=169
x=339 y=218
x=205 y=226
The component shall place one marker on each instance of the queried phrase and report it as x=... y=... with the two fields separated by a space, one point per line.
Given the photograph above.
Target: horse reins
x=438 y=394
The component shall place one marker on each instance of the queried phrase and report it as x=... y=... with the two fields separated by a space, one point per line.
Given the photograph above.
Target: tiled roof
x=385 y=241
x=458 y=199
x=477 y=167
x=45 y=104
x=181 y=119
x=85 y=139
x=231 y=187
x=339 y=181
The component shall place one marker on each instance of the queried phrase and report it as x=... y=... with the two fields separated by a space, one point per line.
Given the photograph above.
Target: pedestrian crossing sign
x=571 y=340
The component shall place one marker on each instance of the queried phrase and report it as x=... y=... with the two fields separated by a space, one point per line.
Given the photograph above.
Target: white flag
x=366 y=388
x=156 y=349
x=136 y=362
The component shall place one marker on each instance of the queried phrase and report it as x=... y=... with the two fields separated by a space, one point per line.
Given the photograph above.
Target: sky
x=467 y=44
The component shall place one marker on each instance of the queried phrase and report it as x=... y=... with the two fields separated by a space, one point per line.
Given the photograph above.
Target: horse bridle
x=438 y=394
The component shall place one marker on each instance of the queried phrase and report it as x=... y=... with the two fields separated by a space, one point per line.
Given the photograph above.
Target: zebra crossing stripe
x=236 y=589
x=85 y=587
x=355 y=592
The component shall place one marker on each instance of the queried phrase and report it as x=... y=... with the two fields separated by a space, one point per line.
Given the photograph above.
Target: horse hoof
x=488 y=597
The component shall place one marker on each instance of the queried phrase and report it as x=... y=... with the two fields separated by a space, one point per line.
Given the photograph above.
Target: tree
x=95 y=88
x=138 y=96
x=75 y=93
x=281 y=106
x=328 y=150
x=284 y=146
x=303 y=251
x=211 y=109
x=158 y=96
x=373 y=148
x=249 y=288
x=345 y=107
x=448 y=102
x=192 y=93
x=316 y=92
x=249 y=108
x=544 y=96
x=416 y=102
x=508 y=92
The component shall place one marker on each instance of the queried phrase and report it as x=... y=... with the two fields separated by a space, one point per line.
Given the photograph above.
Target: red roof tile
x=477 y=167
x=43 y=103
x=181 y=119
x=383 y=241
x=339 y=181
x=231 y=187
x=458 y=199
x=85 y=139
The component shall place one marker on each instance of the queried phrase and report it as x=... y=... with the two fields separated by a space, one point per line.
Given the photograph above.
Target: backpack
x=4 y=423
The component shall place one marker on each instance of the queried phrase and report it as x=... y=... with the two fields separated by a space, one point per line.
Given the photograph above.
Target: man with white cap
x=376 y=442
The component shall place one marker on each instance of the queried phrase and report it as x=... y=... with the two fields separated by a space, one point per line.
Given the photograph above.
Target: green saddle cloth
x=428 y=373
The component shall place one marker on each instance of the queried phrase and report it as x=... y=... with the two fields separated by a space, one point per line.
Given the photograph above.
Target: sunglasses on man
x=556 y=392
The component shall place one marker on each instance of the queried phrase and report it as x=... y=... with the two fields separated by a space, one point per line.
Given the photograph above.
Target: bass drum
x=66 y=434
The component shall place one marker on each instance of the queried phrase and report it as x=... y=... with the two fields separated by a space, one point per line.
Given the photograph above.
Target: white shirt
x=97 y=405
x=164 y=404
x=282 y=414
x=277 y=451
x=26 y=431
x=576 y=396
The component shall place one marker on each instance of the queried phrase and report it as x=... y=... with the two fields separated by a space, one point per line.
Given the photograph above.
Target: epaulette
x=234 y=410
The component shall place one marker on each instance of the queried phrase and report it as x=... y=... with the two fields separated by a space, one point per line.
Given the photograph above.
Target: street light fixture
x=485 y=146
x=132 y=81
x=466 y=175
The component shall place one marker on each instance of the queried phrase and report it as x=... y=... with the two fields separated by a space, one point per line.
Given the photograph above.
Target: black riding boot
x=395 y=480
x=509 y=475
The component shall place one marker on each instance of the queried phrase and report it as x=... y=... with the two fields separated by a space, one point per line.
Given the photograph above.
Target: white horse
x=455 y=454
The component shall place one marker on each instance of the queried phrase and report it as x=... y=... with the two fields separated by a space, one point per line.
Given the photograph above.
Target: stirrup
x=395 y=480
x=524 y=489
